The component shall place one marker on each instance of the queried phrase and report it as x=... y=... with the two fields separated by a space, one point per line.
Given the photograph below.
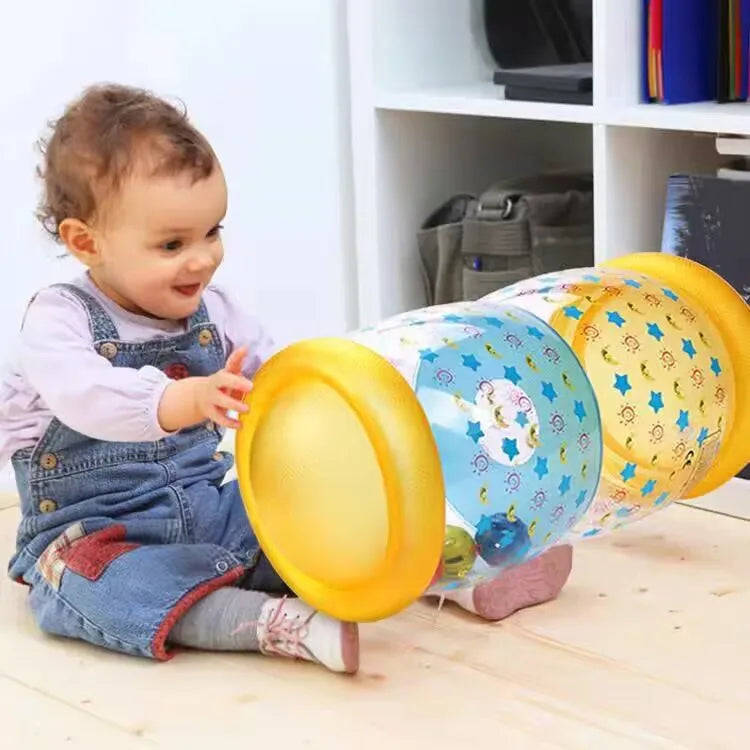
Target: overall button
x=108 y=350
x=209 y=426
x=205 y=337
x=222 y=566
x=48 y=461
x=218 y=456
x=47 y=506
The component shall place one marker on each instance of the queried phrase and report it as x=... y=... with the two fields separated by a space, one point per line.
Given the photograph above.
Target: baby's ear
x=80 y=240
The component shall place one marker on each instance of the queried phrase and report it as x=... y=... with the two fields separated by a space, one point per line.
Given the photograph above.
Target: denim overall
x=119 y=539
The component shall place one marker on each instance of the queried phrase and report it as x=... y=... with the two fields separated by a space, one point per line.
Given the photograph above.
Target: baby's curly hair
x=101 y=138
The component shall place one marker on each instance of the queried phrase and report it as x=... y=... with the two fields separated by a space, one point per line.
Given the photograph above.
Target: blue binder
x=689 y=50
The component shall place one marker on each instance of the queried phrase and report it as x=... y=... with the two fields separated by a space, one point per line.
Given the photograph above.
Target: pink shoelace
x=283 y=635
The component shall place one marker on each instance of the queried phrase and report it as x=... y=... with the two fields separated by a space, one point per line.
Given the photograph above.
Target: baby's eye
x=216 y=231
x=172 y=245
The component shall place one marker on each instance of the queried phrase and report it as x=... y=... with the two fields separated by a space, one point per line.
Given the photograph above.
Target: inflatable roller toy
x=440 y=447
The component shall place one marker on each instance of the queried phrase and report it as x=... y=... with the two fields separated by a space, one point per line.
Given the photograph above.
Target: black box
x=707 y=220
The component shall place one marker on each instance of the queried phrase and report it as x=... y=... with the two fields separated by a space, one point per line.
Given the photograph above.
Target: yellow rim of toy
x=341 y=479
x=731 y=316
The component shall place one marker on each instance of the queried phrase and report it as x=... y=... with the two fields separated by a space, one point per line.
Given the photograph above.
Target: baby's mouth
x=187 y=290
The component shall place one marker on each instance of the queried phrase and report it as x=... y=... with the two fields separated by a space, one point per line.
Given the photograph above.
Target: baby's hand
x=186 y=402
x=223 y=391
x=234 y=365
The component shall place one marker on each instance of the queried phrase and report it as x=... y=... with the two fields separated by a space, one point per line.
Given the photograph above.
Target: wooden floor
x=648 y=647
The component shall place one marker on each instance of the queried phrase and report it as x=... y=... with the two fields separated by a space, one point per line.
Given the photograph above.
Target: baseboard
x=731 y=499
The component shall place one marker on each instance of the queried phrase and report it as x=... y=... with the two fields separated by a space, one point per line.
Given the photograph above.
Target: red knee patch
x=90 y=555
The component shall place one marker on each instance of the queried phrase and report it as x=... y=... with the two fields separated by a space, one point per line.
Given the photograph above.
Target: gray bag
x=516 y=229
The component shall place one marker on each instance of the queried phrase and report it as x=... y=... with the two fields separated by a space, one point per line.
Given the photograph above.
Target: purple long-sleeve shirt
x=57 y=372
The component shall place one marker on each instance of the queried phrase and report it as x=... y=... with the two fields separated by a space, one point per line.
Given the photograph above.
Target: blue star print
x=581 y=499
x=656 y=402
x=580 y=410
x=494 y=322
x=510 y=448
x=475 y=431
x=655 y=331
x=471 y=361
x=660 y=500
x=571 y=311
x=541 y=469
x=688 y=348
x=512 y=374
x=589 y=277
x=427 y=355
x=628 y=472
x=622 y=384
x=452 y=318
x=715 y=366
x=703 y=436
x=548 y=391
x=591 y=532
x=648 y=488
x=683 y=421
x=632 y=282
x=522 y=419
x=564 y=484
x=535 y=332
x=669 y=293
x=616 y=319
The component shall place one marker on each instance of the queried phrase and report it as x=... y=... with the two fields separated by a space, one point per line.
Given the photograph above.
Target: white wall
x=266 y=81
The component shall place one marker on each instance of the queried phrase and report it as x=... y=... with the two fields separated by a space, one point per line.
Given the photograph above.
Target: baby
x=126 y=379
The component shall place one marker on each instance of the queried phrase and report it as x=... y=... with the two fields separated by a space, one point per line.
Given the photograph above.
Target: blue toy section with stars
x=517 y=427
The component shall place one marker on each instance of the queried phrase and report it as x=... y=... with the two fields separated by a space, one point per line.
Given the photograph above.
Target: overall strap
x=100 y=323
x=200 y=316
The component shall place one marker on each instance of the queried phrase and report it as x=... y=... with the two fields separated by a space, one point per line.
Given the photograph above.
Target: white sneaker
x=289 y=627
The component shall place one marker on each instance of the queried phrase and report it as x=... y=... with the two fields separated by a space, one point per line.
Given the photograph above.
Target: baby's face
x=161 y=243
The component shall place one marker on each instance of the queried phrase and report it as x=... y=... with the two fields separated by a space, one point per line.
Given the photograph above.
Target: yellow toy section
x=665 y=381
x=727 y=313
x=457 y=441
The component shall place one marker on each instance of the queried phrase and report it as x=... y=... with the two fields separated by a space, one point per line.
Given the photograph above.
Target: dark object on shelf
x=518 y=228
x=566 y=84
x=706 y=220
x=538 y=32
x=569 y=77
x=533 y=94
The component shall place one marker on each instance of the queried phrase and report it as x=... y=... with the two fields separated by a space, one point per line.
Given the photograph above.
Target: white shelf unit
x=427 y=123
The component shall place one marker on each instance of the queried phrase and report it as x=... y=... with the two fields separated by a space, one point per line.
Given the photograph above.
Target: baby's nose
x=200 y=262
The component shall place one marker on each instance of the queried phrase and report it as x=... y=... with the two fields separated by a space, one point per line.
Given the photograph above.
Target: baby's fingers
x=225 y=401
x=221 y=417
x=228 y=381
x=235 y=360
